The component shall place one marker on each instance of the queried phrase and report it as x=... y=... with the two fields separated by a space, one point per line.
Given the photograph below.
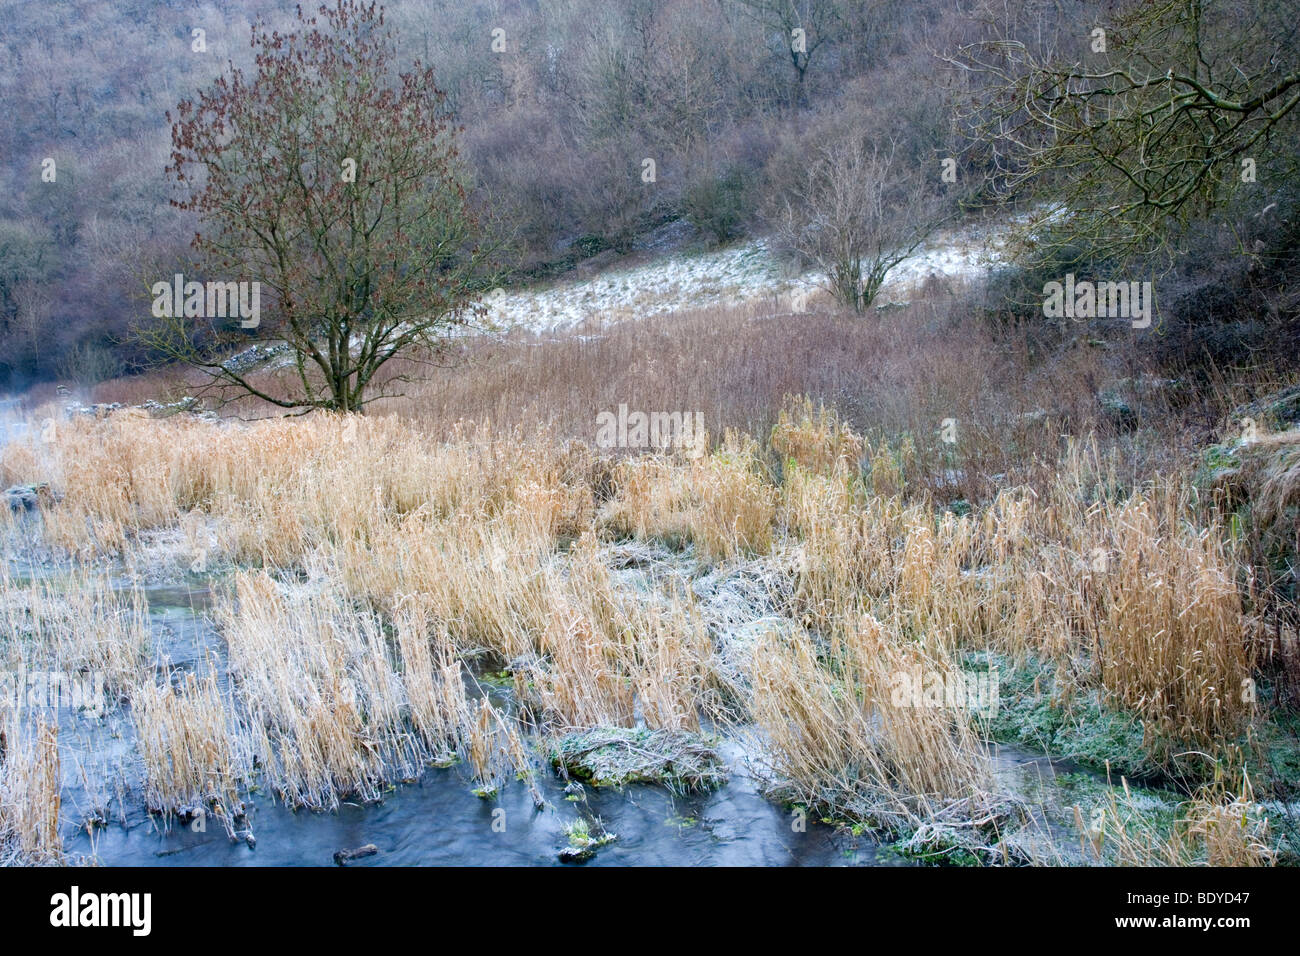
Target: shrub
x=716 y=205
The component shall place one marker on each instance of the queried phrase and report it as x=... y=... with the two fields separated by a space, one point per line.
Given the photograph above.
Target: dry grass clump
x=483 y=576
x=493 y=748
x=1273 y=465
x=78 y=626
x=1137 y=591
x=611 y=657
x=431 y=675
x=844 y=558
x=319 y=688
x=1133 y=592
x=579 y=677
x=672 y=662
x=840 y=738
x=1231 y=829
x=21 y=460
x=281 y=488
x=1263 y=505
x=721 y=503
x=650 y=662
x=30 y=797
x=858 y=552
x=815 y=440
x=114 y=475
x=888 y=468
x=1220 y=826
x=1171 y=639
x=191 y=749
x=339 y=700
x=1260 y=481
x=862 y=547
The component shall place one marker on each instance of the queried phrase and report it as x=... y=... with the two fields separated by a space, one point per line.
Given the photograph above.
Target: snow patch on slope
x=746 y=272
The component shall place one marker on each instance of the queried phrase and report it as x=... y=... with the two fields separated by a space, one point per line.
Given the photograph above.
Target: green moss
x=1098 y=737
x=943 y=855
x=618 y=756
x=1273 y=763
x=1092 y=732
x=1080 y=727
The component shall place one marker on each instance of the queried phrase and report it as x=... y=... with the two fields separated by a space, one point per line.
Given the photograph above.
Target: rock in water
x=577 y=854
x=344 y=857
x=27 y=497
x=21 y=497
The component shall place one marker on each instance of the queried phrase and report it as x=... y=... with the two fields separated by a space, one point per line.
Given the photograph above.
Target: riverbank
x=385 y=614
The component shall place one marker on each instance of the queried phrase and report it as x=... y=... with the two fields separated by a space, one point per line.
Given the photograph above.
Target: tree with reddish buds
x=333 y=182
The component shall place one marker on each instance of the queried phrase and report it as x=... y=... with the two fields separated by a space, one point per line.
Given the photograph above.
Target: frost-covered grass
x=746 y=272
x=769 y=593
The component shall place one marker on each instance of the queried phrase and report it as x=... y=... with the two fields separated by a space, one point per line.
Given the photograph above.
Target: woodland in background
x=555 y=131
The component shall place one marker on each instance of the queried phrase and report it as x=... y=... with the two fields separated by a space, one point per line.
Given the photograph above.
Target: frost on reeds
x=319 y=686
x=839 y=738
x=431 y=677
x=817 y=441
x=190 y=748
x=611 y=658
x=1129 y=592
x=282 y=487
x=1227 y=826
x=482 y=576
x=1171 y=641
x=85 y=645
x=1221 y=825
x=493 y=748
x=720 y=502
x=30 y=798
x=650 y=663
x=77 y=626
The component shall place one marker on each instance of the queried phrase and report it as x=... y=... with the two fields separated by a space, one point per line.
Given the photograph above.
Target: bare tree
x=858 y=212
x=815 y=20
x=1139 y=122
x=335 y=185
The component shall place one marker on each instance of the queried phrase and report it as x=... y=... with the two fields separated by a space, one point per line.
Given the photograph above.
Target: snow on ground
x=741 y=273
x=746 y=272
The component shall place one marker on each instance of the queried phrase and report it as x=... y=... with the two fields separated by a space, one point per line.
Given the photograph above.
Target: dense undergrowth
x=368 y=569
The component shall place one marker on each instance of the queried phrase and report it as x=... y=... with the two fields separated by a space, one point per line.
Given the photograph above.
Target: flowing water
x=438 y=818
